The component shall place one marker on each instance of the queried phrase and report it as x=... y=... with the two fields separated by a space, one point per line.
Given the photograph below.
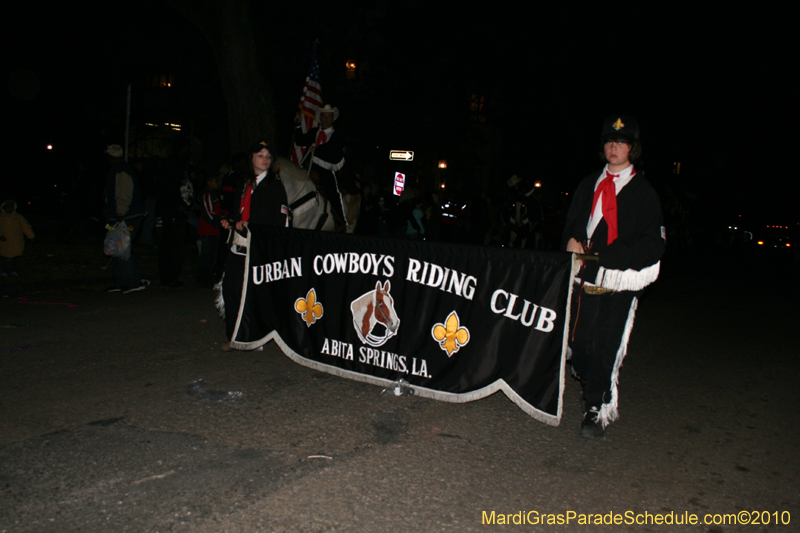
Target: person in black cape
x=262 y=200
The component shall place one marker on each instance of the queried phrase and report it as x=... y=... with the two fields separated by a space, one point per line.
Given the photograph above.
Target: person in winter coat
x=13 y=230
x=124 y=204
x=208 y=232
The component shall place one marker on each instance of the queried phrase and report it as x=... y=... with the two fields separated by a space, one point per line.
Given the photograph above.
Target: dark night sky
x=708 y=84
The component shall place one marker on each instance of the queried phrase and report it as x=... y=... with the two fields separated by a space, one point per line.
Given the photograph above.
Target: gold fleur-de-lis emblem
x=450 y=335
x=310 y=310
x=618 y=124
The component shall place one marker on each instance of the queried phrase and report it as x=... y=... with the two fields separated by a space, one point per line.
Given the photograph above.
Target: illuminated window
x=350 y=72
x=162 y=80
x=676 y=167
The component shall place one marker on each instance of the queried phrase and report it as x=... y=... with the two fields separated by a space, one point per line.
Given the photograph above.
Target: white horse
x=310 y=210
x=373 y=308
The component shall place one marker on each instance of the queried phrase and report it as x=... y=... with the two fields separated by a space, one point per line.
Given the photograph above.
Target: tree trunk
x=229 y=27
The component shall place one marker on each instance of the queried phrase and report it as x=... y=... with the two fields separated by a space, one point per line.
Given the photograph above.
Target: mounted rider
x=327 y=149
x=523 y=215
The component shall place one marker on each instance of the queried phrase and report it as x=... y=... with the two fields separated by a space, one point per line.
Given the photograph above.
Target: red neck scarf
x=245 y=209
x=321 y=137
x=609 y=192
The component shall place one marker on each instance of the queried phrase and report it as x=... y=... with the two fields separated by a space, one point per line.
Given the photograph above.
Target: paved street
x=98 y=432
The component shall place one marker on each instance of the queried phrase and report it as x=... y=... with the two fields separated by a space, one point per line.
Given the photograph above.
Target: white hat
x=328 y=109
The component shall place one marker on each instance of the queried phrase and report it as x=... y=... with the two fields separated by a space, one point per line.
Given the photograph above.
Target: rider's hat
x=328 y=109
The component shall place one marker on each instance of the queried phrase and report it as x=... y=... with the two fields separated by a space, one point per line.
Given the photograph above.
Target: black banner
x=456 y=322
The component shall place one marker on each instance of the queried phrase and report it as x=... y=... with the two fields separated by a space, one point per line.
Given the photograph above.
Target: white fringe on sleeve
x=627 y=280
x=335 y=167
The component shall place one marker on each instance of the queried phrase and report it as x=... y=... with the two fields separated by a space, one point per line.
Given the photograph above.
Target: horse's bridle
x=374 y=340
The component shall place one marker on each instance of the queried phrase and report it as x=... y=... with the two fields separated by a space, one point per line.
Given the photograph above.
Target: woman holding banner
x=262 y=200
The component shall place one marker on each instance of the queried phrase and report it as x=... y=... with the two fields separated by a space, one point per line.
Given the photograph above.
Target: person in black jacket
x=616 y=215
x=262 y=200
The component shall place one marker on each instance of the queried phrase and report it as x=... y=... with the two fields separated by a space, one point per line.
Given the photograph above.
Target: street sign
x=401 y=155
x=399 y=183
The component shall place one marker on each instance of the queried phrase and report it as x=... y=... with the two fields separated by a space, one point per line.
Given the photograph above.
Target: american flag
x=310 y=101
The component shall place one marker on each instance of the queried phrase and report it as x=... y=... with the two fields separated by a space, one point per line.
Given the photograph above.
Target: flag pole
x=310 y=101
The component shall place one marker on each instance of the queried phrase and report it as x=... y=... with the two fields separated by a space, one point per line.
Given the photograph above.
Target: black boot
x=591 y=427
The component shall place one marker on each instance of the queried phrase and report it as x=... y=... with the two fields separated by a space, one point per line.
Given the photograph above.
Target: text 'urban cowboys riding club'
x=456 y=322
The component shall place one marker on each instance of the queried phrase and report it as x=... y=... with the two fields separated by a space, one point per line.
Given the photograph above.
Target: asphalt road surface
x=98 y=431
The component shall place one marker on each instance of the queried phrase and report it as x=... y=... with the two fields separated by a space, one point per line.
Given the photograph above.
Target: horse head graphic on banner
x=374 y=312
